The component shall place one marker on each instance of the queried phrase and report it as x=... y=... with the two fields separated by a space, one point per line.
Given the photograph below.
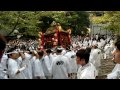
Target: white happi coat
x=54 y=55
x=115 y=74
x=79 y=44
x=28 y=70
x=72 y=60
x=112 y=47
x=19 y=61
x=107 y=49
x=51 y=57
x=95 y=58
x=60 y=67
x=46 y=65
x=96 y=37
x=74 y=45
x=102 y=42
x=90 y=42
x=13 y=67
x=63 y=52
x=87 y=71
x=94 y=42
x=3 y=73
x=4 y=67
x=38 y=70
x=111 y=41
x=85 y=43
x=33 y=58
x=91 y=58
x=99 y=45
x=4 y=61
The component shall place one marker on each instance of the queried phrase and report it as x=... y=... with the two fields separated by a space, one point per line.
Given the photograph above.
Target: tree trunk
x=14 y=25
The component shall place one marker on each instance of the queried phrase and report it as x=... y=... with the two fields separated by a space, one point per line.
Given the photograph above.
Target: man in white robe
x=94 y=42
x=28 y=70
x=112 y=46
x=4 y=60
x=102 y=42
x=71 y=55
x=90 y=43
x=14 y=70
x=31 y=57
x=63 y=52
x=95 y=58
x=115 y=74
x=85 y=43
x=107 y=51
x=38 y=70
x=3 y=66
x=86 y=69
x=46 y=64
x=74 y=45
x=3 y=72
x=60 y=66
x=86 y=72
x=19 y=61
x=99 y=45
x=96 y=36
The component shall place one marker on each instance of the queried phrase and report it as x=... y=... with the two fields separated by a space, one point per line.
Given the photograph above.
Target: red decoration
x=42 y=39
x=52 y=39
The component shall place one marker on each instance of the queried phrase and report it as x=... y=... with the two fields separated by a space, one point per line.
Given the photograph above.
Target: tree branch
x=15 y=25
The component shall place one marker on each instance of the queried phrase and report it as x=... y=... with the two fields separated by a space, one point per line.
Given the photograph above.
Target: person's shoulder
x=36 y=61
x=64 y=58
x=26 y=53
x=46 y=56
x=56 y=58
x=67 y=54
x=11 y=61
x=98 y=50
x=86 y=74
x=92 y=67
x=20 y=58
x=90 y=64
x=34 y=57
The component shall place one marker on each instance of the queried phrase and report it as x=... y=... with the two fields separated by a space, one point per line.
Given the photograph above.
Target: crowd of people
x=21 y=59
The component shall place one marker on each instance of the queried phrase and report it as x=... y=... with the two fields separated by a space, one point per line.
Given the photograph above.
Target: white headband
x=60 y=48
x=14 y=52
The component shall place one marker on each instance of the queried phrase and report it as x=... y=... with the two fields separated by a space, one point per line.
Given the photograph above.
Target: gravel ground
x=106 y=68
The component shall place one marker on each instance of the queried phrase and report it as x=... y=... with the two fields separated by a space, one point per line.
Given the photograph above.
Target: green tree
x=31 y=22
x=111 y=19
x=78 y=21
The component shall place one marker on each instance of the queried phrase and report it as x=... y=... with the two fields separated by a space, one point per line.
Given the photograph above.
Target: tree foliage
x=111 y=18
x=31 y=22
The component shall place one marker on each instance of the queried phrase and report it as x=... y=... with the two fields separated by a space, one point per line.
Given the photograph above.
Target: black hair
x=16 y=46
x=117 y=44
x=40 y=53
x=88 y=49
x=118 y=37
x=48 y=51
x=68 y=48
x=59 y=50
x=10 y=50
x=83 y=54
x=23 y=47
x=2 y=43
x=30 y=52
